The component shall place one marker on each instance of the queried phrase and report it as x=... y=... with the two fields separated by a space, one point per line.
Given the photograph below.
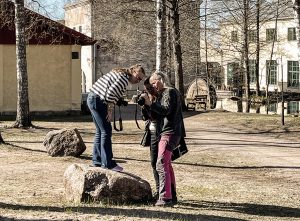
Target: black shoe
x=174 y=200
x=174 y=195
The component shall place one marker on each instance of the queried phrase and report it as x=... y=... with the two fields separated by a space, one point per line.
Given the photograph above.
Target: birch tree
x=161 y=54
x=23 y=114
x=257 y=5
x=177 y=53
x=269 y=65
x=246 y=52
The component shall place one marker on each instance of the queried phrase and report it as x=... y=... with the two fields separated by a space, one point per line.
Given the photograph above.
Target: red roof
x=39 y=29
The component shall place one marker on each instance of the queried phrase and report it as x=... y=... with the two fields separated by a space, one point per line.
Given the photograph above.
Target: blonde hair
x=158 y=75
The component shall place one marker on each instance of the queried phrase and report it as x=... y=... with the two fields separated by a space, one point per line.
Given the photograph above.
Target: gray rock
x=64 y=142
x=84 y=183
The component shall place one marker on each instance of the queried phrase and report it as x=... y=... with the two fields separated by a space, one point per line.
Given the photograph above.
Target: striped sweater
x=111 y=86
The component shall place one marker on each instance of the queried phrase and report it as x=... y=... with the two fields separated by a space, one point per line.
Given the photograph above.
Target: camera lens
x=141 y=101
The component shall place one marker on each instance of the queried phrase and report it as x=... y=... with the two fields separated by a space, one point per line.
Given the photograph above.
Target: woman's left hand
x=147 y=99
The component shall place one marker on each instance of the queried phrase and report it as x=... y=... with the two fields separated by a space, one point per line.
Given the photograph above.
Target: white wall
x=79 y=15
x=287 y=50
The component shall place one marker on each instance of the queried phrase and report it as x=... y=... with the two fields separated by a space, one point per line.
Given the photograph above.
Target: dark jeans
x=153 y=156
x=102 y=151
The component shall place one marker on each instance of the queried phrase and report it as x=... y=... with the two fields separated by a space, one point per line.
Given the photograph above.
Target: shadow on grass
x=22 y=148
x=139 y=212
x=243 y=131
x=212 y=166
x=240 y=143
x=246 y=208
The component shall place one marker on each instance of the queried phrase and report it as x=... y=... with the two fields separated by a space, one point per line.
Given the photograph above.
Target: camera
x=140 y=100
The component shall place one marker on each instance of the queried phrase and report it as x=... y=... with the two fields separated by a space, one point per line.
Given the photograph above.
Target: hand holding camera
x=144 y=99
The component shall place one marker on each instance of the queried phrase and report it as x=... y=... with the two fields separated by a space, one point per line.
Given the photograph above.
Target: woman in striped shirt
x=106 y=91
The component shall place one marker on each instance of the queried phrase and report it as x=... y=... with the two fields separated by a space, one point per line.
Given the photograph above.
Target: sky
x=50 y=8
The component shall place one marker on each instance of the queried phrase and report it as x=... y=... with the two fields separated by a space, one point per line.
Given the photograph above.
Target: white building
x=284 y=66
x=78 y=17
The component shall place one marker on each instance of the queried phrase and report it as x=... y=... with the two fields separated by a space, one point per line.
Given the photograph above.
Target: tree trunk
x=241 y=83
x=169 y=46
x=177 y=48
x=246 y=54
x=23 y=115
x=258 y=92
x=208 y=77
x=271 y=57
x=161 y=35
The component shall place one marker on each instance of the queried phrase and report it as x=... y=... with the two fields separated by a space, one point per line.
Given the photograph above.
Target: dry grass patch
x=239 y=167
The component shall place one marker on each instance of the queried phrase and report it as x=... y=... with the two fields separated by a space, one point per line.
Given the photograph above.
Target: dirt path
x=266 y=151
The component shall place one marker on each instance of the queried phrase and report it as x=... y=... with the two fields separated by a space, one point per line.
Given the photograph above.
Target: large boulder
x=84 y=183
x=64 y=142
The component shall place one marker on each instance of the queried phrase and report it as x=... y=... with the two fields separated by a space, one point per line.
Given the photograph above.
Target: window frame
x=292 y=36
x=273 y=107
x=293 y=74
x=269 y=37
x=252 y=36
x=234 y=36
x=272 y=79
x=293 y=107
x=252 y=70
x=231 y=77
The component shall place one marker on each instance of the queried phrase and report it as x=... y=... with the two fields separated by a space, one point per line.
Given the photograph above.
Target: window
x=291 y=34
x=80 y=29
x=252 y=36
x=272 y=71
x=252 y=70
x=232 y=71
x=293 y=107
x=272 y=107
x=75 y=55
x=293 y=73
x=234 y=36
x=74 y=28
x=271 y=35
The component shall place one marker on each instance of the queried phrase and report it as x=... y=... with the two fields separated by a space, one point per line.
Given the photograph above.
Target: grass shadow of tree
x=137 y=211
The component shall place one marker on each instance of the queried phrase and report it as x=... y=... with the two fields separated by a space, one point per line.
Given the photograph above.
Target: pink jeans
x=164 y=166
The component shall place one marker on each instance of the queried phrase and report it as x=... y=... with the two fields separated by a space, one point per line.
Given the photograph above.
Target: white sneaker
x=117 y=168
